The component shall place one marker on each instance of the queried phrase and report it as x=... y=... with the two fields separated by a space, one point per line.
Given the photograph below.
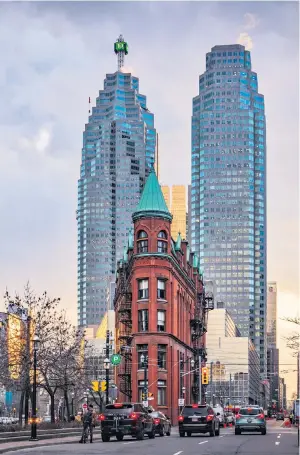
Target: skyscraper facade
x=272 y=314
x=118 y=152
x=175 y=197
x=229 y=187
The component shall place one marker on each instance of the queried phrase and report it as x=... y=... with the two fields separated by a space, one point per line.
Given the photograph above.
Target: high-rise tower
x=229 y=187
x=118 y=153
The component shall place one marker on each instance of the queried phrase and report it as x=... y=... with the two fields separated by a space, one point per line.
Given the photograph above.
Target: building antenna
x=89 y=104
x=121 y=49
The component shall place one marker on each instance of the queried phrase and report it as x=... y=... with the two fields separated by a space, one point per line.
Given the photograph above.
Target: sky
x=54 y=56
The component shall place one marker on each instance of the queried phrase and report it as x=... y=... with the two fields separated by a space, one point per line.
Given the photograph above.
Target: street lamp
x=192 y=363
x=106 y=367
x=36 y=344
x=72 y=395
x=144 y=361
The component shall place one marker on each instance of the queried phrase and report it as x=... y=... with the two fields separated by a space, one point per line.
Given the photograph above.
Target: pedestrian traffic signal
x=204 y=375
x=103 y=386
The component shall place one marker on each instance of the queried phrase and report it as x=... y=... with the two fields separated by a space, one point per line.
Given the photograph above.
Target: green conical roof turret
x=152 y=202
x=178 y=242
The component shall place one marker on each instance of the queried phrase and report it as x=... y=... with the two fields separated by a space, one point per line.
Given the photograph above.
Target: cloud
x=251 y=21
x=39 y=143
x=245 y=40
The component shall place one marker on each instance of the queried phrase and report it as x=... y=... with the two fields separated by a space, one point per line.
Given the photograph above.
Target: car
x=120 y=419
x=162 y=423
x=280 y=416
x=197 y=418
x=251 y=418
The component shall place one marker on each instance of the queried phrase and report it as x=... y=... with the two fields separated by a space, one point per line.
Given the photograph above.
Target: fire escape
x=125 y=337
x=205 y=303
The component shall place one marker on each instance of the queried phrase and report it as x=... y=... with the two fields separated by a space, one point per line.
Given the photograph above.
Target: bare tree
x=293 y=340
x=60 y=357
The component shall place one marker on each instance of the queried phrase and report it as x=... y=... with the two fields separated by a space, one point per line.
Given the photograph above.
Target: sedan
x=162 y=423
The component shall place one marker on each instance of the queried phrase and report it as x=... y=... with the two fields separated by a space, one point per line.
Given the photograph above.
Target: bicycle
x=87 y=434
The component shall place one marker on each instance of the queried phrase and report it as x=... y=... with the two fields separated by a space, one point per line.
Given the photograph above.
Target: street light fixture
x=36 y=345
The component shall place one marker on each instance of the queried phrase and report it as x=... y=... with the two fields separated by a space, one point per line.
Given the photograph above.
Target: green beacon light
x=121 y=49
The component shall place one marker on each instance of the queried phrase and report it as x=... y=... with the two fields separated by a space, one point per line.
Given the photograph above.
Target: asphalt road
x=278 y=441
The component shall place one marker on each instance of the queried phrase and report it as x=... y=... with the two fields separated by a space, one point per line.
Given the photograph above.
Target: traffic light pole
x=107 y=369
x=145 y=379
x=200 y=379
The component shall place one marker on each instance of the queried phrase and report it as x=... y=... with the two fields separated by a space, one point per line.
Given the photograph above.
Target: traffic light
x=95 y=386
x=103 y=386
x=144 y=396
x=204 y=375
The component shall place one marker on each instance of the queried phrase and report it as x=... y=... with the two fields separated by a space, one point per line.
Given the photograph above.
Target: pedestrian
x=88 y=422
x=291 y=417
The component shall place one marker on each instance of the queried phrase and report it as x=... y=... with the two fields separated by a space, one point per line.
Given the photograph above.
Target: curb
x=33 y=446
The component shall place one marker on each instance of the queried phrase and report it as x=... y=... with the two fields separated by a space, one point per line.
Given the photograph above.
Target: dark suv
x=122 y=419
x=196 y=418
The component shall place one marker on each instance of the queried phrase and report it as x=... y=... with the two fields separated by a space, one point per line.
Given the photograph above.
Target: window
x=142 y=350
x=143 y=320
x=161 y=289
x=161 y=393
x=162 y=356
x=162 y=235
x=143 y=289
x=162 y=243
x=142 y=242
x=161 y=321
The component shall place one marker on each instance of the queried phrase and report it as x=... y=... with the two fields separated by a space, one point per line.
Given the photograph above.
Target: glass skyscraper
x=228 y=219
x=118 y=152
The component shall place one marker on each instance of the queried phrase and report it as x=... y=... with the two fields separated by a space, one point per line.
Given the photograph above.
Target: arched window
x=142 y=242
x=162 y=242
x=162 y=235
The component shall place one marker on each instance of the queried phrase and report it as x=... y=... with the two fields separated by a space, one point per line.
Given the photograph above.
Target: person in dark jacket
x=88 y=424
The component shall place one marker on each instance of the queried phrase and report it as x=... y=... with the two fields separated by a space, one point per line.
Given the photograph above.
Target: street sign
x=180 y=401
x=150 y=398
x=145 y=404
x=115 y=359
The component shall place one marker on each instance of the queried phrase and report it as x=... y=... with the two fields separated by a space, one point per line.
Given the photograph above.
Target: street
x=279 y=441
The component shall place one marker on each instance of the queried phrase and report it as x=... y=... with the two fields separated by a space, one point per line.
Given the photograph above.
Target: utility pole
x=211 y=382
x=200 y=379
x=230 y=388
x=107 y=368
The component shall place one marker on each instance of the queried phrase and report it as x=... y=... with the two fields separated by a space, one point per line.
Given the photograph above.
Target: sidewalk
x=12 y=446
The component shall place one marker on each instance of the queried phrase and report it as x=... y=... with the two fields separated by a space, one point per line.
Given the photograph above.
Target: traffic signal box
x=204 y=375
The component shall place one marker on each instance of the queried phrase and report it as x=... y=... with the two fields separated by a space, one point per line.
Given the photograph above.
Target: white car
x=230 y=418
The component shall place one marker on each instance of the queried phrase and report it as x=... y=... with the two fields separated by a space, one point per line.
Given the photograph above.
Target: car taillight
x=238 y=416
x=133 y=416
x=101 y=417
x=180 y=419
x=156 y=421
x=209 y=418
x=261 y=416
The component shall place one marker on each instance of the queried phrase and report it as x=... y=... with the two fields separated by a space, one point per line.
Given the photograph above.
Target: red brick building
x=161 y=311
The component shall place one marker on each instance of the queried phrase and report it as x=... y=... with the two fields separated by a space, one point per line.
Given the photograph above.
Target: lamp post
x=72 y=395
x=106 y=367
x=36 y=343
x=144 y=361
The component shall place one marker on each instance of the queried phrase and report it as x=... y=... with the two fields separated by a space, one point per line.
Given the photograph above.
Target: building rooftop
x=152 y=202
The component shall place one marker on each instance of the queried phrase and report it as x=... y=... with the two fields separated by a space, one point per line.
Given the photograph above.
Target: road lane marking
x=277 y=443
x=178 y=453
x=221 y=436
x=130 y=442
x=279 y=436
x=202 y=442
